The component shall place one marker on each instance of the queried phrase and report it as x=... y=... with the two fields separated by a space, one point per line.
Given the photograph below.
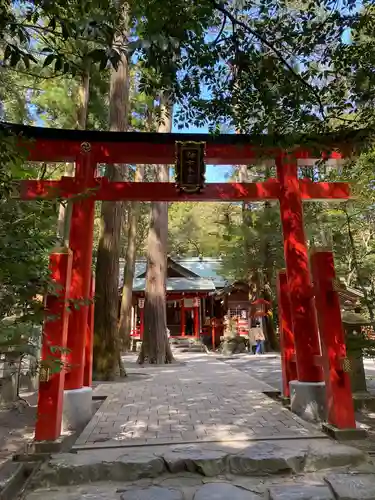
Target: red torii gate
x=90 y=148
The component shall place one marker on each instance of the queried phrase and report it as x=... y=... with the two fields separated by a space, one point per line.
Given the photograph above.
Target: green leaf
x=58 y=64
x=97 y=55
x=7 y=52
x=49 y=60
x=15 y=58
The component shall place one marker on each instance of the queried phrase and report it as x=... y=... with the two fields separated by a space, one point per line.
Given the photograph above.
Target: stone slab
x=210 y=460
x=77 y=409
x=79 y=468
x=86 y=492
x=301 y=492
x=7 y=472
x=194 y=459
x=153 y=493
x=12 y=476
x=327 y=454
x=223 y=491
x=314 y=486
x=308 y=400
x=267 y=458
x=352 y=486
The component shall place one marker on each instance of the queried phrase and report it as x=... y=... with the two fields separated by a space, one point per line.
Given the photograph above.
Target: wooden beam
x=43 y=150
x=101 y=189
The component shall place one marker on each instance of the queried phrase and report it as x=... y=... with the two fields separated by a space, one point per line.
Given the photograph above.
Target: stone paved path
x=267 y=368
x=202 y=399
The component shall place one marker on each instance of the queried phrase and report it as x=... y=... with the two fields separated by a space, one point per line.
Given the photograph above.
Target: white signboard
x=189 y=303
x=141 y=303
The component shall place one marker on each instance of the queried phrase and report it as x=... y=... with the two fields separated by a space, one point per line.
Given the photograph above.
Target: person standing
x=259 y=339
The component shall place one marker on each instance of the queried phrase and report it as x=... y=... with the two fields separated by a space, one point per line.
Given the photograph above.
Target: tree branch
x=221 y=31
x=277 y=52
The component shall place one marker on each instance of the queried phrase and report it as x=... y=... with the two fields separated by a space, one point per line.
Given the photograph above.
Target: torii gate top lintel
x=49 y=144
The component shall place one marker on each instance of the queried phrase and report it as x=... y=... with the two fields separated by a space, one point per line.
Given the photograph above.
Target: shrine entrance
x=71 y=268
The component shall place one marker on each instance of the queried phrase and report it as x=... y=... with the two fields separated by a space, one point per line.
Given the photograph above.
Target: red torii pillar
x=182 y=318
x=196 y=316
x=55 y=331
x=308 y=392
x=288 y=364
x=87 y=376
x=77 y=398
x=297 y=268
x=340 y=408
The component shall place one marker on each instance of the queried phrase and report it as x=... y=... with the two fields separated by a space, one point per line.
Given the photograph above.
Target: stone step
x=193 y=348
x=12 y=477
x=259 y=458
x=340 y=486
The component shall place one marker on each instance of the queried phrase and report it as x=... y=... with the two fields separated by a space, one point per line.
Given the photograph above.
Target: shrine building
x=199 y=297
x=197 y=293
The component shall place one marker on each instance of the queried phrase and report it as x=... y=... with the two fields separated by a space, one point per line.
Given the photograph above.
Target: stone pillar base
x=77 y=410
x=344 y=434
x=308 y=400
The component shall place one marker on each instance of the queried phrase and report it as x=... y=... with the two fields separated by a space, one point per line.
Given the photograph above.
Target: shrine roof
x=179 y=285
x=205 y=268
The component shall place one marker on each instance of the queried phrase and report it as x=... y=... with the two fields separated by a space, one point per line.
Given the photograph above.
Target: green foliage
x=26 y=237
x=58 y=25
x=195 y=229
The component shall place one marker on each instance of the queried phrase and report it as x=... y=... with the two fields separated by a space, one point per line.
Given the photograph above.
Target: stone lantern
x=353 y=324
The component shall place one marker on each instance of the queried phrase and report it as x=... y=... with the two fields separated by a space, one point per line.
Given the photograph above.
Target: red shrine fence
x=301 y=352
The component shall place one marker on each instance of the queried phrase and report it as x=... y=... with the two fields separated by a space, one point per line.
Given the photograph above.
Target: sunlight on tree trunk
x=65 y=210
x=357 y=267
x=107 y=359
x=266 y=291
x=130 y=258
x=83 y=100
x=155 y=346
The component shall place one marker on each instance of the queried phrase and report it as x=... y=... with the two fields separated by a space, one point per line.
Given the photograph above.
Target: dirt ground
x=17 y=421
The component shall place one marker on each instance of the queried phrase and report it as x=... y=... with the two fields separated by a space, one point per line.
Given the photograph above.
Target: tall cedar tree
x=155 y=345
x=129 y=269
x=65 y=210
x=106 y=345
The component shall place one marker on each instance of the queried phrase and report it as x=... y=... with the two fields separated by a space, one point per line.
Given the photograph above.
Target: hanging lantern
x=190 y=166
x=259 y=308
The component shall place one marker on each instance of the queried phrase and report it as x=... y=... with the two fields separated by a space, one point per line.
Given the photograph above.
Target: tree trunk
x=83 y=100
x=65 y=210
x=155 y=346
x=268 y=322
x=131 y=255
x=107 y=358
x=357 y=266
